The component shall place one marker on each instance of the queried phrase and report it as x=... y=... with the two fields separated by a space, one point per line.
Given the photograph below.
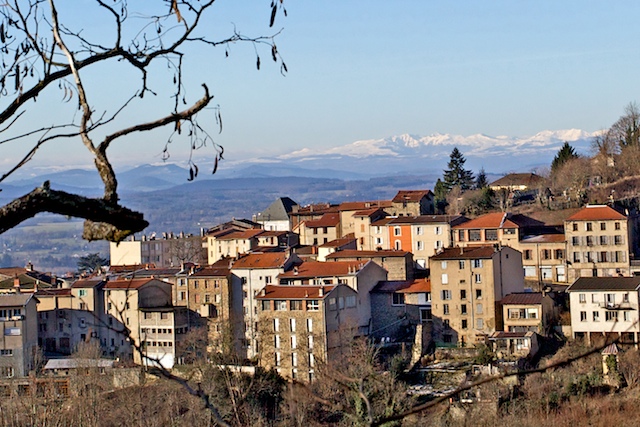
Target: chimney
x=461 y=250
x=16 y=284
x=295 y=270
x=263 y=292
x=29 y=266
x=321 y=291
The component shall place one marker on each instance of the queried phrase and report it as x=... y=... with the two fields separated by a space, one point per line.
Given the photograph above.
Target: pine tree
x=565 y=154
x=456 y=174
x=481 y=180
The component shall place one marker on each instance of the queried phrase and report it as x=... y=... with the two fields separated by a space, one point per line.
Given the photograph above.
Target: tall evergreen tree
x=456 y=174
x=566 y=153
x=481 y=180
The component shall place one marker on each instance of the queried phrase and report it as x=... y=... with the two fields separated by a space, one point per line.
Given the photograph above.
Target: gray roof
x=78 y=363
x=605 y=284
x=14 y=300
x=278 y=210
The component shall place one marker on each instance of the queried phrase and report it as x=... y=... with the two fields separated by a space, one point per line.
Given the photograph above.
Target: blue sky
x=371 y=69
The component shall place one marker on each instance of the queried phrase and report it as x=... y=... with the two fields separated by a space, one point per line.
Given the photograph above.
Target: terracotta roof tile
x=342 y=241
x=358 y=206
x=428 y=219
x=211 y=272
x=597 y=212
x=471 y=252
x=410 y=195
x=368 y=212
x=262 y=260
x=239 y=235
x=500 y=220
x=327 y=220
x=313 y=269
x=403 y=286
x=523 y=298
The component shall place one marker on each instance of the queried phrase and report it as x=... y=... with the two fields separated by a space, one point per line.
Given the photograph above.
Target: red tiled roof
x=517 y=179
x=353 y=253
x=312 y=269
x=499 y=220
x=294 y=292
x=418 y=286
x=129 y=268
x=410 y=195
x=273 y=233
x=471 y=252
x=596 y=212
x=327 y=220
x=211 y=272
x=262 y=260
x=129 y=284
x=342 y=241
x=316 y=209
x=523 y=298
x=384 y=221
x=403 y=286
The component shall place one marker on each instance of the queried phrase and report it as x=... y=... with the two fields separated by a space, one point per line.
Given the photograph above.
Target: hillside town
x=293 y=287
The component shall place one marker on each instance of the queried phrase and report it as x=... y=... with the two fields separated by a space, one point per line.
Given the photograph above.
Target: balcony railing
x=616 y=306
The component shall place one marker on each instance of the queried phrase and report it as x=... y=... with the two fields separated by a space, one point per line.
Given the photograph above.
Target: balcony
x=614 y=306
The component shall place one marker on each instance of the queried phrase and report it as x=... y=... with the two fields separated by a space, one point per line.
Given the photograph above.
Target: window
x=604 y=240
x=276 y=341
x=148 y=316
x=398 y=245
x=627 y=316
x=397 y=231
x=278 y=360
x=6 y=372
x=276 y=325
x=583 y=316
x=182 y=295
x=397 y=299
x=596 y=316
x=292 y=325
x=464 y=324
x=82 y=293
x=419 y=245
x=528 y=254
x=546 y=254
x=443 y=265
x=478 y=278
x=446 y=323
x=589 y=226
x=479 y=324
x=445 y=294
x=309 y=325
x=625 y=297
x=461 y=235
x=474 y=235
x=576 y=257
x=463 y=294
x=332 y=304
x=461 y=264
x=419 y=231
x=295 y=305
x=477 y=263
x=294 y=341
x=379 y=241
x=611 y=316
x=575 y=241
x=617 y=226
x=574 y=226
x=437 y=230
x=478 y=293
x=491 y=235
x=618 y=240
x=425 y=315
x=603 y=226
x=313 y=305
x=589 y=240
x=559 y=253
x=445 y=308
x=6 y=352
x=478 y=308
x=351 y=301
x=294 y=359
x=463 y=308
x=445 y=278
x=582 y=298
x=280 y=305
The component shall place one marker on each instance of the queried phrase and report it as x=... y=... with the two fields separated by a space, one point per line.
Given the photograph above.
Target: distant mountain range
x=361 y=160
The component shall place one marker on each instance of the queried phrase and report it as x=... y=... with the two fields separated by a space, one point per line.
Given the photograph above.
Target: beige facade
x=544 y=258
x=169 y=250
x=399 y=264
x=598 y=243
x=231 y=243
x=466 y=284
x=301 y=326
x=529 y=311
x=319 y=231
x=161 y=333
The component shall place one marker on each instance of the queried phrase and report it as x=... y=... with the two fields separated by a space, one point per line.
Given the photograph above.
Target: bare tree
x=45 y=51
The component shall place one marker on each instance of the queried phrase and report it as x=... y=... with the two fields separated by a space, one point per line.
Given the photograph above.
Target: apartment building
x=255 y=271
x=605 y=308
x=502 y=228
x=161 y=331
x=166 y=251
x=301 y=326
x=231 y=243
x=318 y=231
x=276 y=216
x=18 y=349
x=361 y=276
x=399 y=264
x=412 y=203
x=599 y=243
x=528 y=311
x=544 y=258
x=124 y=301
x=467 y=283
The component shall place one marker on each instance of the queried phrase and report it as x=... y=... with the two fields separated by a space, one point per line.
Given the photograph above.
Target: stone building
x=399 y=264
x=466 y=285
x=303 y=325
x=19 y=345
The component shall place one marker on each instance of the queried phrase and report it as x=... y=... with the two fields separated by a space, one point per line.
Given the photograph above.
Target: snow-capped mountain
x=411 y=152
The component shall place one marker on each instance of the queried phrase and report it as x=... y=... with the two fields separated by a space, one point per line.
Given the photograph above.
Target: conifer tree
x=481 y=180
x=456 y=174
x=566 y=153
